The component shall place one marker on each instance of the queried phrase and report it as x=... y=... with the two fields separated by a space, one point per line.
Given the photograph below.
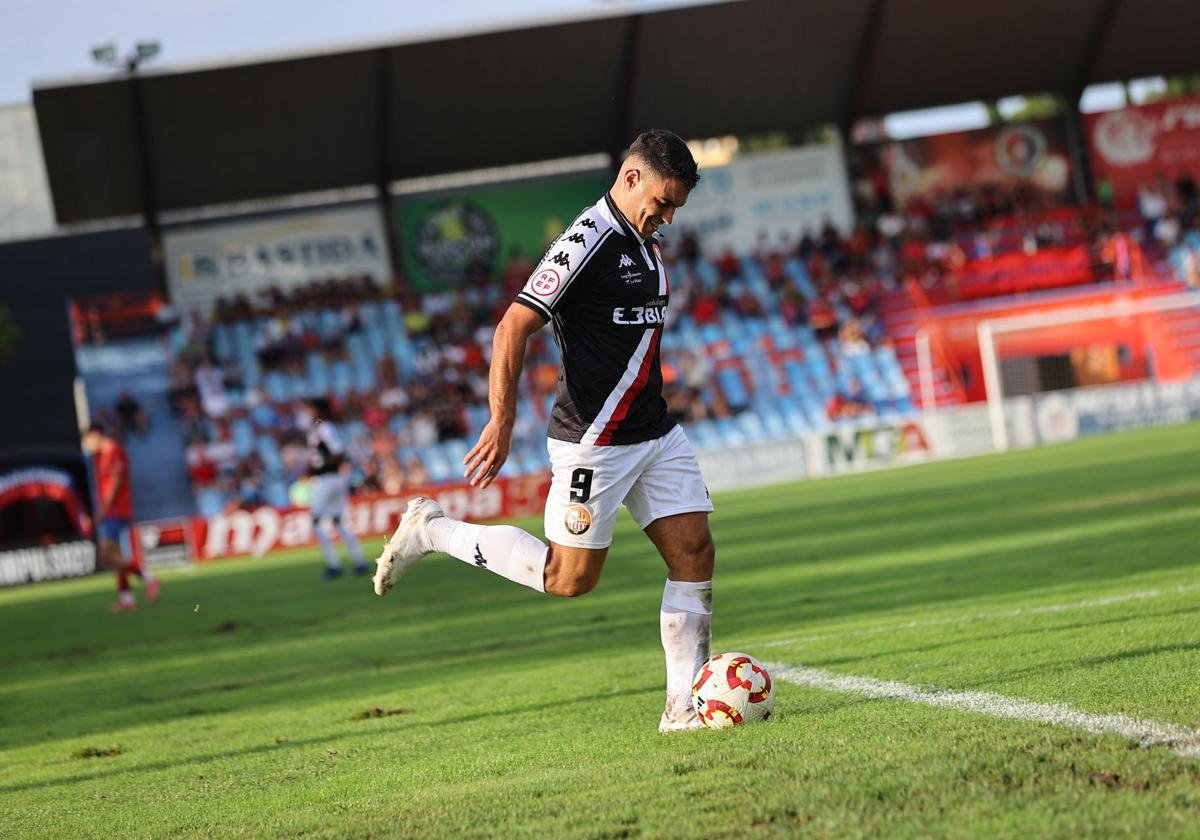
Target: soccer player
x=114 y=512
x=330 y=491
x=603 y=286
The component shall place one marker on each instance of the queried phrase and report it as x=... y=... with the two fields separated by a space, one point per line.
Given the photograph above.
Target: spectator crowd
x=406 y=372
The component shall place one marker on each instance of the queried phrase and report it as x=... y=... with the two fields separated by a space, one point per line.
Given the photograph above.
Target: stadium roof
x=380 y=113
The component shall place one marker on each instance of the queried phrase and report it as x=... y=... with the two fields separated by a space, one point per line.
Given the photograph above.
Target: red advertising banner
x=266 y=529
x=1030 y=155
x=1143 y=144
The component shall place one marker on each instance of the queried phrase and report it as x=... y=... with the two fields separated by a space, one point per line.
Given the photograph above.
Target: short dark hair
x=96 y=426
x=667 y=155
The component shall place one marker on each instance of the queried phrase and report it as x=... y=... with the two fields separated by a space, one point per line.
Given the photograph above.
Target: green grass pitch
x=255 y=700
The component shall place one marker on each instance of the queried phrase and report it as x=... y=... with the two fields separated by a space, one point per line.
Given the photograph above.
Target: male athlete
x=603 y=286
x=330 y=491
x=114 y=511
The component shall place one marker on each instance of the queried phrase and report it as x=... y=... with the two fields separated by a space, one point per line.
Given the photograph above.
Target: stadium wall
x=37 y=279
x=962 y=431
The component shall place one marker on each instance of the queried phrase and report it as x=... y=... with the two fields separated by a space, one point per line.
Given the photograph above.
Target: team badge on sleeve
x=545 y=282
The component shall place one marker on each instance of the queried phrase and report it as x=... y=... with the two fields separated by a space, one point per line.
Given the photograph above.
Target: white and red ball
x=732 y=689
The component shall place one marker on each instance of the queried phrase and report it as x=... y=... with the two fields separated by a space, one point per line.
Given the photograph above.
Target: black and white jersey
x=325 y=450
x=605 y=290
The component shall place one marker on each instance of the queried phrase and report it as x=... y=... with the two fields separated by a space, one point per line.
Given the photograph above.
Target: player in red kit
x=114 y=513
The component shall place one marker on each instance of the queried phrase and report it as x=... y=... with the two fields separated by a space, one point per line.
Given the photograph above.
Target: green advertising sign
x=443 y=234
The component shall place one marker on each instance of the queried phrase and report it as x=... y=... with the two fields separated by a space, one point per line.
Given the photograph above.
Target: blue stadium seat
x=704 y=434
x=243 y=436
x=796 y=420
x=398 y=424
x=209 y=501
x=317 y=372
x=436 y=464
x=341 y=379
x=269 y=452
x=733 y=387
x=223 y=347
x=364 y=379
x=711 y=334
x=752 y=426
x=275 y=384
x=774 y=424
x=707 y=274
x=275 y=493
x=729 y=432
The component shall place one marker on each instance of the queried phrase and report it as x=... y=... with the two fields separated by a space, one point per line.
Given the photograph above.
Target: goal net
x=1124 y=340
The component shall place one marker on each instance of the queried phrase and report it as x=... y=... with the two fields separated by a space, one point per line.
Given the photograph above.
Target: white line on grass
x=1013 y=613
x=1148 y=733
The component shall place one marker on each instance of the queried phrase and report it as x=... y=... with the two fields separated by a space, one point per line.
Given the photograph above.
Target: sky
x=51 y=39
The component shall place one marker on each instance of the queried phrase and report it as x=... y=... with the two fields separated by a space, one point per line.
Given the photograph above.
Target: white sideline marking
x=1147 y=733
x=1013 y=613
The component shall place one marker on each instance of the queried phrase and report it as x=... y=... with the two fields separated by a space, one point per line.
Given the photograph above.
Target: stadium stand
x=762 y=346
x=782 y=341
x=792 y=337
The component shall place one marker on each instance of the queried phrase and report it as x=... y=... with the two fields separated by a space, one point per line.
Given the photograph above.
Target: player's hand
x=485 y=459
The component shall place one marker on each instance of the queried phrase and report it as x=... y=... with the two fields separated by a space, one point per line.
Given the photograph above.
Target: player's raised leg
x=501 y=549
x=425 y=528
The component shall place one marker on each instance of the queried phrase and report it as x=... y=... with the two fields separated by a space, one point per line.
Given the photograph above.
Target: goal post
x=1034 y=353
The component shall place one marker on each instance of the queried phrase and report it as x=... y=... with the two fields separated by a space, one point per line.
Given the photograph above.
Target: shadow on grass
x=408 y=723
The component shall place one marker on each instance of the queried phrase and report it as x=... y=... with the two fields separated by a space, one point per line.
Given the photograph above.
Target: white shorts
x=653 y=479
x=330 y=495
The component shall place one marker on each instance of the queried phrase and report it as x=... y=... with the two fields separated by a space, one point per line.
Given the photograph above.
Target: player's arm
x=546 y=290
x=490 y=452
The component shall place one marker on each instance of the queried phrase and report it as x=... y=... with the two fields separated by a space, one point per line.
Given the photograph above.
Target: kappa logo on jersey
x=562 y=259
x=625 y=262
x=587 y=223
x=577 y=519
x=479 y=561
x=577 y=238
x=546 y=283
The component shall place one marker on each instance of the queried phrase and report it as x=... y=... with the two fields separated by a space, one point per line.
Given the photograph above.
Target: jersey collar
x=609 y=208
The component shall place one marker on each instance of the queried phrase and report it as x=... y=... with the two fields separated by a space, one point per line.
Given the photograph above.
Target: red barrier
x=266 y=529
x=1050 y=268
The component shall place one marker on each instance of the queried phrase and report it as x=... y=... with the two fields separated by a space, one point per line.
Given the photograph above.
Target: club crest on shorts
x=578 y=519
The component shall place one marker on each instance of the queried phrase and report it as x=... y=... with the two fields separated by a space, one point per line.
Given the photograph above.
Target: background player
x=603 y=285
x=330 y=491
x=114 y=512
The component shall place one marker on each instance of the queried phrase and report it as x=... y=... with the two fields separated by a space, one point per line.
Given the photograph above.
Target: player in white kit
x=603 y=287
x=330 y=496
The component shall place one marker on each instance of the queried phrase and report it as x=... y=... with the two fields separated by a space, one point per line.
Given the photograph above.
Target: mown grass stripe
x=1016 y=612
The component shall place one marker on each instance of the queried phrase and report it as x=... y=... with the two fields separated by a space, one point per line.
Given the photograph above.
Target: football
x=732 y=689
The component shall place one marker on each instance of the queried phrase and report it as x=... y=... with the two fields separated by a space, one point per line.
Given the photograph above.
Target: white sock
x=351 y=544
x=503 y=549
x=686 y=626
x=331 y=557
x=126 y=597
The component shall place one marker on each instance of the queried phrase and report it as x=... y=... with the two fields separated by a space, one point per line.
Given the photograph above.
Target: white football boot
x=408 y=544
x=679 y=715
